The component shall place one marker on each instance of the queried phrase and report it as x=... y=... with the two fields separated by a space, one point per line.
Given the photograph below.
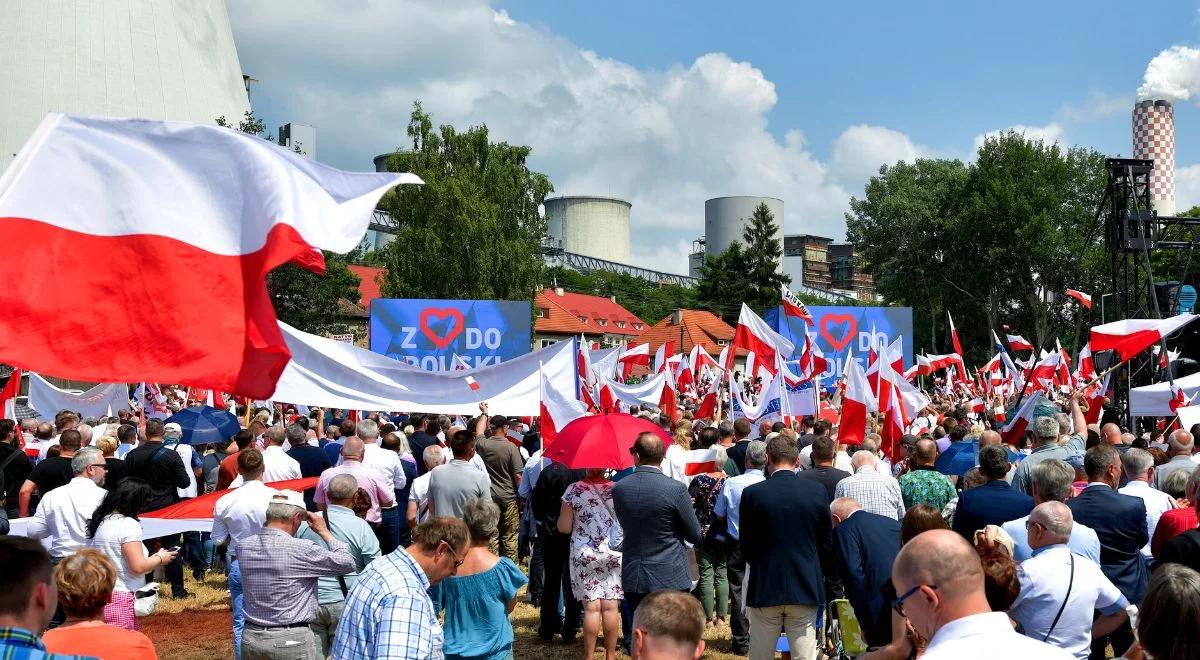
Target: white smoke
x=1173 y=75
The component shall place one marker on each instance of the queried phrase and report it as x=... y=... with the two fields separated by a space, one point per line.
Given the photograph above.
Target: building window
x=543 y=312
x=620 y=324
x=543 y=343
x=602 y=322
x=583 y=319
x=637 y=326
x=722 y=342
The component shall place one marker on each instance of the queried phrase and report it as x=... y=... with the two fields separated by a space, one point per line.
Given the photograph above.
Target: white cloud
x=1050 y=133
x=1097 y=105
x=665 y=140
x=1187 y=187
x=1173 y=74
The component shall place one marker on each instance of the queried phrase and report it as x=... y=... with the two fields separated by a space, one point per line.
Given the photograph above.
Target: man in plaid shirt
x=876 y=491
x=388 y=612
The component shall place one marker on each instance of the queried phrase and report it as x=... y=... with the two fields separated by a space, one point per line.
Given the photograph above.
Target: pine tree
x=763 y=252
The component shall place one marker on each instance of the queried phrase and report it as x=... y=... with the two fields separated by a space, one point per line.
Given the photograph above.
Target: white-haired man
x=871 y=487
x=1139 y=469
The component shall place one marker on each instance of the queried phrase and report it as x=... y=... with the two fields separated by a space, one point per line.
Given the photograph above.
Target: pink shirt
x=380 y=493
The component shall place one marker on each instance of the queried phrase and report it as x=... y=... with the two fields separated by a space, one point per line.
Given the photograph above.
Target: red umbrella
x=600 y=441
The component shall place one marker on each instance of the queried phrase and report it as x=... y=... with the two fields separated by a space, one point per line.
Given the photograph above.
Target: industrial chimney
x=1154 y=139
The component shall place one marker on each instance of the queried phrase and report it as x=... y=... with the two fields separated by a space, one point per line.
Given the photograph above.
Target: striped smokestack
x=1154 y=139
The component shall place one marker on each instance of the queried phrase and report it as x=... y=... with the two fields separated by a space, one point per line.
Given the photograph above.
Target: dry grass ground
x=198 y=628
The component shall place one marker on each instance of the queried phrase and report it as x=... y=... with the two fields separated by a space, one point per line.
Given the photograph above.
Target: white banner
x=102 y=400
x=645 y=393
x=328 y=373
x=1155 y=400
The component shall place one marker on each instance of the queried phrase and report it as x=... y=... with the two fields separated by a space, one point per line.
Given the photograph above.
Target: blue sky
x=669 y=103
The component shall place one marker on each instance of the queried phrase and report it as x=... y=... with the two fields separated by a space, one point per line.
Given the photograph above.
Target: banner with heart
x=847 y=332
x=440 y=335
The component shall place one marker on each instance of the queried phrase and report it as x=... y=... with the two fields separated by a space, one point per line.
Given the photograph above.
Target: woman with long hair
x=114 y=530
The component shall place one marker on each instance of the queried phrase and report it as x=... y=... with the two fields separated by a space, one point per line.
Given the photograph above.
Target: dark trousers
x=1121 y=639
x=556 y=550
x=388 y=530
x=739 y=626
x=173 y=570
x=60 y=615
x=537 y=570
x=193 y=552
x=628 y=606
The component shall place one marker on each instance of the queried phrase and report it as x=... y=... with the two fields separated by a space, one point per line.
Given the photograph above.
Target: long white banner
x=100 y=401
x=329 y=373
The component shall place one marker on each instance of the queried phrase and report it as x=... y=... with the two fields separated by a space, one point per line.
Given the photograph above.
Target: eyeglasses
x=99 y=465
x=898 y=604
x=457 y=562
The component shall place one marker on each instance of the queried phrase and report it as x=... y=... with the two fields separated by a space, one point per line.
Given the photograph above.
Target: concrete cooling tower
x=154 y=59
x=725 y=217
x=1154 y=139
x=592 y=226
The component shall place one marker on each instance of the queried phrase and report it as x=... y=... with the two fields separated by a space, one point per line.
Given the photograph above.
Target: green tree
x=473 y=230
x=724 y=282
x=764 y=250
x=994 y=242
x=313 y=303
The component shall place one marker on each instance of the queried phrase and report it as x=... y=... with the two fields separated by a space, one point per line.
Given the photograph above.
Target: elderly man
x=1047 y=432
x=1057 y=610
x=388 y=612
x=865 y=546
x=1120 y=523
x=1180 y=444
x=387 y=465
x=364 y=547
x=658 y=519
x=378 y=491
x=238 y=514
x=277 y=465
x=993 y=503
x=280 y=574
x=457 y=482
x=875 y=491
x=1138 y=465
x=923 y=484
x=668 y=625
x=418 y=495
x=1051 y=480
x=939 y=587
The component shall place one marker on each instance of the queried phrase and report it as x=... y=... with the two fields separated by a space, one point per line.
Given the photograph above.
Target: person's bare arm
x=411 y=515
x=133 y=551
x=1105 y=624
x=1077 y=419
x=24 y=496
x=482 y=422
x=566 y=518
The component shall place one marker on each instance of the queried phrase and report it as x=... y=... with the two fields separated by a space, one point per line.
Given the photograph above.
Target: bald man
x=939 y=586
x=1058 y=610
x=864 y=547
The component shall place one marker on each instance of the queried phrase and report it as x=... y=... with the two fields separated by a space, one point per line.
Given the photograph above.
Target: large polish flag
x=857 y=403
x=700 y=461
x=188 y=219
x=754 y=335
x=556 y=410
x=1132 y=336
x=632 y=356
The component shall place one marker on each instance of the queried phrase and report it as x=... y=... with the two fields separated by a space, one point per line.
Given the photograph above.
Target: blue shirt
x=1083 y=540
x=388 y=613
x=20 y=644
x=729 y=503
x=355 y=533
x=477 y=624
x=333 y=449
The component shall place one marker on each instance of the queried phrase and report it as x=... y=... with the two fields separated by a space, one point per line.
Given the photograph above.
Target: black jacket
x=417 y=442
x=784 y=533
x=160 y=467
x=546 y=498
x=1120 y=523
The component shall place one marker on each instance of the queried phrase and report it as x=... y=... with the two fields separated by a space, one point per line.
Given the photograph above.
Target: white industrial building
x=724 y=220
x=160 y=59
x=595 y=227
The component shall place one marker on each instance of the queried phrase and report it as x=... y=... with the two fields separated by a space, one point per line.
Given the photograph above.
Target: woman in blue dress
x=480 y=595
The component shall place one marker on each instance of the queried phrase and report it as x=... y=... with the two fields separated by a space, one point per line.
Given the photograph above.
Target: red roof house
x=368 y=288
x=698 y=327
x=561 y=313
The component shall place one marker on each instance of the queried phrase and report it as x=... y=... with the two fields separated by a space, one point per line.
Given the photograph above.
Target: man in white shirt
x=728 y=508
x=1139 y=468
x=418 y=495
x=877 y=492
x=63 y=514
x=238 y=514
x=386 y=464
x=939 y=587
x=277 y=465
x=1060 y=589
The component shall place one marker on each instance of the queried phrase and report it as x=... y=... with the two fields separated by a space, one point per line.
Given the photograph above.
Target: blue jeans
x=237 y=599
x=388 y=531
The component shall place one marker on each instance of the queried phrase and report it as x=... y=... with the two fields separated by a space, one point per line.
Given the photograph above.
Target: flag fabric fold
x=755 y=335
x=556 y=410
x=1132 y=336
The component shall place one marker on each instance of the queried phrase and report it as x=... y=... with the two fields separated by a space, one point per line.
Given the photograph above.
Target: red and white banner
x=556 y=410
x=1132 y=336
x=1155 y=400
x=1083 y=298
x=195 y=212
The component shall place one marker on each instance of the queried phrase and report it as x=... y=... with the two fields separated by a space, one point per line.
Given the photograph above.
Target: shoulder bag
x=1066 y=598
x=616 y=535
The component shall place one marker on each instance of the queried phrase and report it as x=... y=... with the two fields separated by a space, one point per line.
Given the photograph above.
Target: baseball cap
x=172 y=431
x=289 y=497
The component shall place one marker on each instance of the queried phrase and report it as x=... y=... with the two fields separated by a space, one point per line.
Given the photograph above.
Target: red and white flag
x=633 y=356
x=857 y=404
x=459 y=364
x=1015 y=428
x=753 y=334
x=683 y=375
x=471 y=383
x=556 y=410
x=9 y=395
x=708 y=404
x=954 y=336
x=1132 y=336
x=1083 y=298
x=700 y=461
x=665 y=352
x=977 y=405
x=1087 y=366
x=793 y=307
x=1179 y=398
x=1018 y=343
x=189 y=216
x=700 y=358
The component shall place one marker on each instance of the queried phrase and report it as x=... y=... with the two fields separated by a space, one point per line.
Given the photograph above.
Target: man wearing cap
x=279 y=579
x=504 y=467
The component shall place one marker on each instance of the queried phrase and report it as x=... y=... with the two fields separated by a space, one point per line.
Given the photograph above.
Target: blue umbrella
x=960 y=457
x=205 y=425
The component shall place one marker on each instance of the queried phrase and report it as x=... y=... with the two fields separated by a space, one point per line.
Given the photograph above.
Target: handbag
x=616 y=535
x=145 y=601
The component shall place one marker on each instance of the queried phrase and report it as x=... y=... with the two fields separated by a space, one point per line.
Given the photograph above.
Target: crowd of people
x=417 y=533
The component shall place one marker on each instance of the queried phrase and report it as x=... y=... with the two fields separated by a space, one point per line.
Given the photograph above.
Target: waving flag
x=1087 y=366
x=1019 y=343
x=194 y=211
x=633 y=356
x=753 y=334
x=1013 y=372
x=708 y=404
x=664 y=353
x=700 y=461
x=793 y=307
x=1179 y=398
x=699 y=358
x=8 y=396
x=857 y=403
x=556 y=410
x=954 y=335
x=1132 y=336
x=1083 y=298
x=1015 y=428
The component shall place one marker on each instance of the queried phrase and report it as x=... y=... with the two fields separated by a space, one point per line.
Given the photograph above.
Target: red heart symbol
x=839 y=343
x=453 y=330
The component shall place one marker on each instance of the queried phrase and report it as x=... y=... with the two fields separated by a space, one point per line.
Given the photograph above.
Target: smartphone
x=173 y=549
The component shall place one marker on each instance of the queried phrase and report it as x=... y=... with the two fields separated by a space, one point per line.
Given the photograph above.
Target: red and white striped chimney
x=1154 y=139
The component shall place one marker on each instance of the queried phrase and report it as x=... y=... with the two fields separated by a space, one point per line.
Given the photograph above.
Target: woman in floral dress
x=587 y=515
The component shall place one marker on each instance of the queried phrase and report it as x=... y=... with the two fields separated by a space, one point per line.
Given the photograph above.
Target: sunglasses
x=457 y=562
x=898 y=604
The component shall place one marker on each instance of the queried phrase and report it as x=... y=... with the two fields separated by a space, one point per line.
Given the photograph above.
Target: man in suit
x=865 y=544
x=993 y=503
x=1120 y=523
x=737 y=453
x=657 y=517
x=785 y=536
